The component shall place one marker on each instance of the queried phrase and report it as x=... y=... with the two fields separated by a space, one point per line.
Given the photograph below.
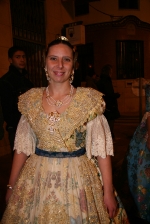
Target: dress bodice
x=70 y=131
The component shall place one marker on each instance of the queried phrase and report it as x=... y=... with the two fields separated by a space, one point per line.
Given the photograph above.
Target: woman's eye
x=67 y=59
x=53 y=58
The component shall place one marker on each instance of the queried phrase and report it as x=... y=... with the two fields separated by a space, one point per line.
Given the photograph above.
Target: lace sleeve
x=98 y=138
x=25 y=140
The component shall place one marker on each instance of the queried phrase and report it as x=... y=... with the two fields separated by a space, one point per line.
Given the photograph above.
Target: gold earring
x=47 y=76
x=71 y=77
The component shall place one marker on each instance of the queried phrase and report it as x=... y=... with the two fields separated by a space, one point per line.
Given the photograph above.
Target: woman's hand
x=109 y=197
x=18 y=162
x=111 y=204
x=8 y=194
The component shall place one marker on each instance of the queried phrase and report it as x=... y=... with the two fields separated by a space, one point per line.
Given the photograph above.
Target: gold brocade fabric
x=85 y=106
x=60 y=190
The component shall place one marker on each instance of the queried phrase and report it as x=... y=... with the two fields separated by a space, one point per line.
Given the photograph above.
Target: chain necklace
x=58 y=103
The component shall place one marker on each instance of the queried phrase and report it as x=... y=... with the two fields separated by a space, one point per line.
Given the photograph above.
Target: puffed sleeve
x=98 y=138
x=25 y=140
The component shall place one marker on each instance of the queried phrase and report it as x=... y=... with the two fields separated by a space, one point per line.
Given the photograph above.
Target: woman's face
x=59 y=63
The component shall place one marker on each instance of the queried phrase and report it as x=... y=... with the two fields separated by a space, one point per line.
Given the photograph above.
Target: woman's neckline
x=61 y=114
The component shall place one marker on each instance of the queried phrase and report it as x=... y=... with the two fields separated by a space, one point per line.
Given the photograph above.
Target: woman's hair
x=60 y=40
x=105 y=72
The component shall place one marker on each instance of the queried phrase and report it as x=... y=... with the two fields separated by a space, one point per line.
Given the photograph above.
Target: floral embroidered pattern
x=139 y=169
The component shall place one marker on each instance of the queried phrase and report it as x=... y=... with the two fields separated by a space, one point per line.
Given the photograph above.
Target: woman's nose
x=60 y=63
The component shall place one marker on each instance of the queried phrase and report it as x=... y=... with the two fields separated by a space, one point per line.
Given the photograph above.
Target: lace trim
x=25 y=140
x=98 y=138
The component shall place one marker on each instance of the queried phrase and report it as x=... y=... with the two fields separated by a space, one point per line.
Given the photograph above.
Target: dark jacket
x=12 y=85
x=90 y=82
x=106 y=87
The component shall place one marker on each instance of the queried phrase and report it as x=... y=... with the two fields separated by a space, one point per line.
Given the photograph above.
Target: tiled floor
x=124 y=129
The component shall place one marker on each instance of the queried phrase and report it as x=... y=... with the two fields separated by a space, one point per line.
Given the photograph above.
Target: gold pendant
x=58 y=103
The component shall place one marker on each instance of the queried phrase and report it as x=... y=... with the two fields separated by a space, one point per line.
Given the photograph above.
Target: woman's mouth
x=58 y=73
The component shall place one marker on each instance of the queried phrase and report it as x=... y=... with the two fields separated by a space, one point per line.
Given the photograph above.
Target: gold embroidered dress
x=61 y=190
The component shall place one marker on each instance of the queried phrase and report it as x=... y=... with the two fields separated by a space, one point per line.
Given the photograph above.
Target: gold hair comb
x=62 y=38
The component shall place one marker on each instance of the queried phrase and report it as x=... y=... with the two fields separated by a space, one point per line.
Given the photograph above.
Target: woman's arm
x=18 y=163
x=109 y=197
x=99 y=144
x=24 y=146
x=148 y=130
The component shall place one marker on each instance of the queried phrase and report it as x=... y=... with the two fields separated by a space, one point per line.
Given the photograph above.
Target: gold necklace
x=58 y=103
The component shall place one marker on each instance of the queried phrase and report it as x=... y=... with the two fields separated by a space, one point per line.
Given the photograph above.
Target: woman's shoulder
x=31 y=92
x=92 y=98
x=90 y=93
x=30 y=99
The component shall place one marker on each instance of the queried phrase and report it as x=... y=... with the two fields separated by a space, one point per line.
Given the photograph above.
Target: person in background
x=138 y=164
x=77 y=75
x=12 y=85
x=106 y=87
x=54 y=177
x=91 y=79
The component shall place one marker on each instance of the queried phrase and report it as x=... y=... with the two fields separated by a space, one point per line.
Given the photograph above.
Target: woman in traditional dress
x=54 y=178
x=138 y=161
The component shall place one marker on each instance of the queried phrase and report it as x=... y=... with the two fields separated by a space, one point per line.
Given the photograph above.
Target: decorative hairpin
x=62 y=38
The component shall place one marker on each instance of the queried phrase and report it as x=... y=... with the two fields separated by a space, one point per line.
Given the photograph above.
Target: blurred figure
x=91 y=78
x=12 y=85
x=138 y=161
x=1 y=123
x=77 y=75
x=106 y=87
